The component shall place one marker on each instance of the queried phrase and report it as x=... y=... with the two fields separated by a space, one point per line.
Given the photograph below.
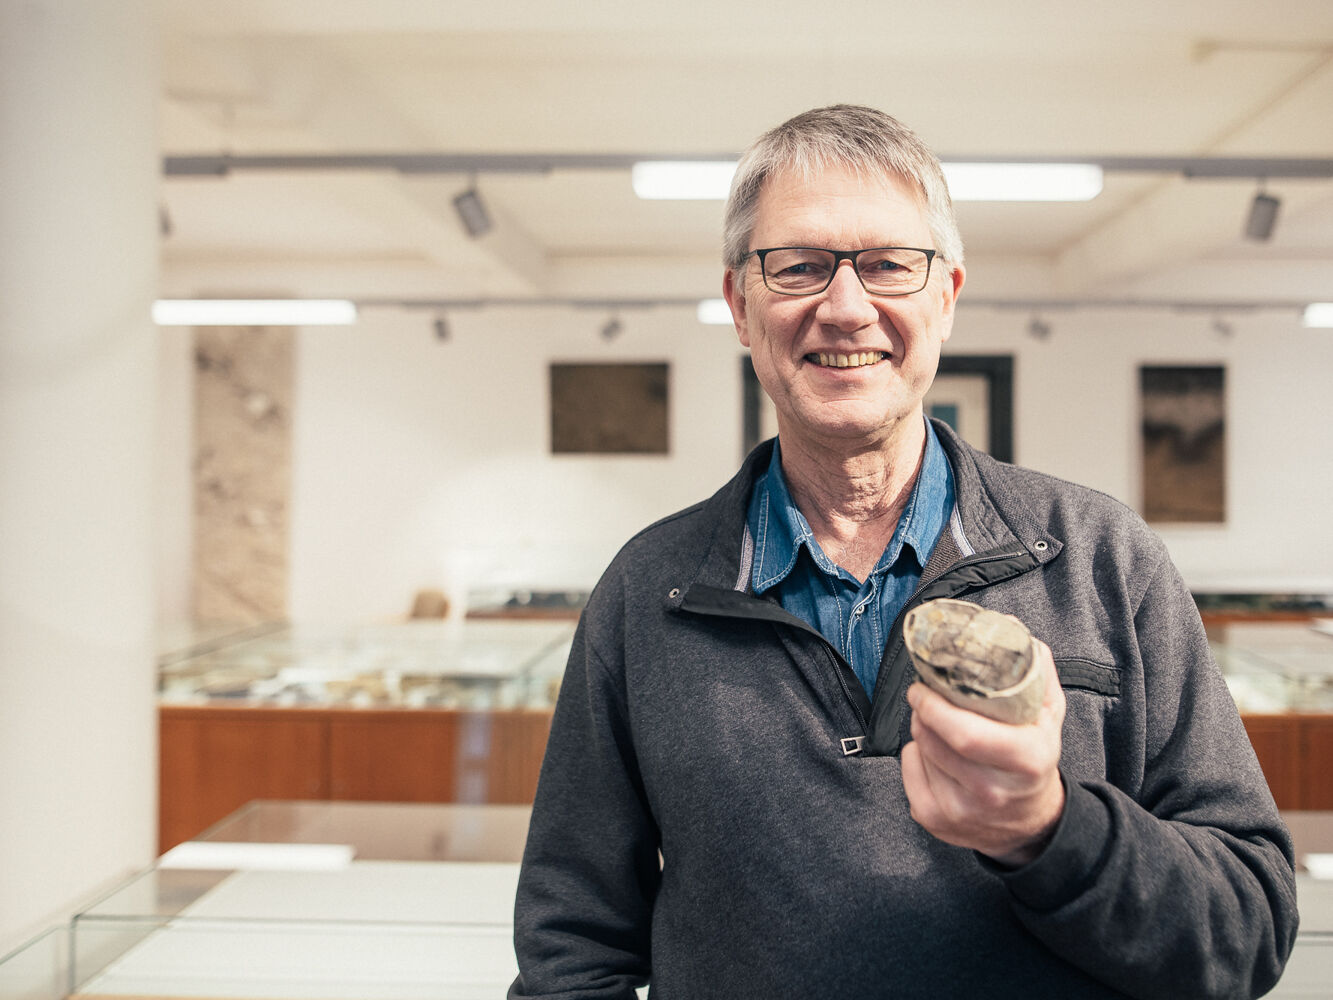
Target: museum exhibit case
x=304 y=900
x=301 y=900
x=459 y=711
x=1280 y=673
x=416 y=711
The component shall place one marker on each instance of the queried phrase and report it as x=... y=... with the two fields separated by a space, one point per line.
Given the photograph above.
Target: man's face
x=799 y=344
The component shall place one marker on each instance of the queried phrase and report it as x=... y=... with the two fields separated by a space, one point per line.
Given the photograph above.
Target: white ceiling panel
x=1031 y=78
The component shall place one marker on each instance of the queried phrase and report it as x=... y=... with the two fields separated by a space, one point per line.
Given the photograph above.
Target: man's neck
x=853 y=496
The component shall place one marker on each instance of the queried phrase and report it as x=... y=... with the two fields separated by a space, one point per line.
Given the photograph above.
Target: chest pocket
x=1088 y=675
x=1075 y=673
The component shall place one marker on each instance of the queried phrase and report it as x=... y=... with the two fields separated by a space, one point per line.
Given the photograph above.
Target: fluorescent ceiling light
x=1023 y=181
x=1319 y=314
x=714 y=312
x=682 y=179
x=711 y=179
x=254 y=312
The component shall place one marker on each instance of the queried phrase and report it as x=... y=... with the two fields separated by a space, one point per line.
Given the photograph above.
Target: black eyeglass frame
x=838 y=257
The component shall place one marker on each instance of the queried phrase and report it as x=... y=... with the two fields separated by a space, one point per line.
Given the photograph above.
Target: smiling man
x=746 y=795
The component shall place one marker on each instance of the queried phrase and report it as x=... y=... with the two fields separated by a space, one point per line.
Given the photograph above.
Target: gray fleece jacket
x=721 y=810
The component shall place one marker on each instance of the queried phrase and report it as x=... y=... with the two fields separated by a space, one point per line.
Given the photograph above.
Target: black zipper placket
x=736 y=607
x=839 y=666
x=739 y=604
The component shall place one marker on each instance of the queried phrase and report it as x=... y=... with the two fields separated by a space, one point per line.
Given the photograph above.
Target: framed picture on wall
x=974 y=394
x=610 y=409
x=1183 y=432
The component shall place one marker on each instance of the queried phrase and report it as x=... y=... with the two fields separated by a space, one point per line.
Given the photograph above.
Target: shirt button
x=858 y=609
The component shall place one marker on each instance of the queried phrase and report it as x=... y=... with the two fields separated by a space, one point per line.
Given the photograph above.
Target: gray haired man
x=745 y=794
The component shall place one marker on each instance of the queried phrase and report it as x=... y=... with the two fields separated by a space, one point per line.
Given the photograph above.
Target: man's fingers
x=972 y=737
x=1053 y=701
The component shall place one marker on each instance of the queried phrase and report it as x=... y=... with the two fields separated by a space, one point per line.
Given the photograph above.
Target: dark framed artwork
x=974 y=394
x=758 y=421
x=1183 y=428
x=610 y=409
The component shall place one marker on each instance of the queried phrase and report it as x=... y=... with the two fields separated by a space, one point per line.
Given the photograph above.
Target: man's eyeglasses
x=810 y=270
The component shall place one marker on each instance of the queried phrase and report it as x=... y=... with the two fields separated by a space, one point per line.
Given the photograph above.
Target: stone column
x=242 y=473
x=79 y=174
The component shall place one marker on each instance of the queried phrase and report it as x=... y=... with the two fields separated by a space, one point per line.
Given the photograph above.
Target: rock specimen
x=979 y=659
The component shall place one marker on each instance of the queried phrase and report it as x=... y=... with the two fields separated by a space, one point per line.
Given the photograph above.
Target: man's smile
x=854 y=360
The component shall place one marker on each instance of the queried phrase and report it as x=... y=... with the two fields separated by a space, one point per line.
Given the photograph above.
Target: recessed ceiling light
x=714 y=312
x=1023 y=181
x=254 y=312
x=682 y=179
x=1319 y=314
x=711 y=179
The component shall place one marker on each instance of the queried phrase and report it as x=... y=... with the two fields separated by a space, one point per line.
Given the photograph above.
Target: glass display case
x=419 y=903
x=397 y=930
x=469 y=664
x=1277 y=666
x=39 y=970
x=498 y=663
x=380 y=831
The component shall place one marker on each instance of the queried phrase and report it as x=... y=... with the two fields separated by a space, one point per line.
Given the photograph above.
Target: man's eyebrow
x=824 y=243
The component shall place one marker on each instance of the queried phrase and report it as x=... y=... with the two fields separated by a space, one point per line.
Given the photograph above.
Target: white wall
x=78 y=273
x=1076 y=416
x=423 y=463
x=420 y=463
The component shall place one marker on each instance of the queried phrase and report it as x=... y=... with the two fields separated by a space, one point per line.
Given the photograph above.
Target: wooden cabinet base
x=1296 y=753
x=214 y=759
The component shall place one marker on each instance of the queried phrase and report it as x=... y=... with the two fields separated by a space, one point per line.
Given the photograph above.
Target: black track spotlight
x=472 y=212
x=1259 y=224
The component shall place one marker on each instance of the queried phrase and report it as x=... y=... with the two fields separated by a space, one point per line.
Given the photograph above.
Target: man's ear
x=952 y=287
x=734 y=292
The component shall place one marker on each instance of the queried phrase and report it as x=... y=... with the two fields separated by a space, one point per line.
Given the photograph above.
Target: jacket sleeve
x=590 y=869
x=1185 y=885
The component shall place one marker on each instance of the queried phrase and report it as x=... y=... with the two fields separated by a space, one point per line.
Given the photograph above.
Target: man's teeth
x=849 y=360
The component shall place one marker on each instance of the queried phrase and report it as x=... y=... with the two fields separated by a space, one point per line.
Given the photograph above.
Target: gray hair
x=863 y=139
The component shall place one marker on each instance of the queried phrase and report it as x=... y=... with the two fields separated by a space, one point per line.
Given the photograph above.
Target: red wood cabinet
x=1296 y=753
x=214 y=759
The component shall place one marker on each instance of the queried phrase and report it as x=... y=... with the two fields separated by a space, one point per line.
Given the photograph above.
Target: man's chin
x=851 y=425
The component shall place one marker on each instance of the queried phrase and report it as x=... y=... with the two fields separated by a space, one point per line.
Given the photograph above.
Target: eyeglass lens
x=882 y=270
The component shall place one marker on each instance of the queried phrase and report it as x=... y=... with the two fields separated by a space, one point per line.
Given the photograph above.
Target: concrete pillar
x=78 y=271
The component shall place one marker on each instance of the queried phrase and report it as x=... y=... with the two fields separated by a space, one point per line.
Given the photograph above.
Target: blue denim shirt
x=855 y=616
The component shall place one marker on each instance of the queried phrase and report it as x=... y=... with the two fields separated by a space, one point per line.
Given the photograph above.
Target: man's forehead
x=867 y=179
x=838 y=197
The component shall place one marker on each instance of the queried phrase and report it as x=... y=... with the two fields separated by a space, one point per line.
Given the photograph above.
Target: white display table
x=372 y=930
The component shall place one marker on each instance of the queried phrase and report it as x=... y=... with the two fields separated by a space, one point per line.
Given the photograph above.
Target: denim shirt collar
x=780 y=530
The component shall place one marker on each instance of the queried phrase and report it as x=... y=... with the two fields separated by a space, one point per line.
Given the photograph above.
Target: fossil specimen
x=978 y=659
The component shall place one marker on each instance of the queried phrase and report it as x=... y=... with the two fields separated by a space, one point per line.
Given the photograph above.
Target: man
x=745 y=795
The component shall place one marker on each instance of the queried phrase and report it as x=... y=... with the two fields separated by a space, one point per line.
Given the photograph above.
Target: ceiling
x=610 y=81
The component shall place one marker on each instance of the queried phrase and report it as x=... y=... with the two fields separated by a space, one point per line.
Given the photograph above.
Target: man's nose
x=846 y=303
